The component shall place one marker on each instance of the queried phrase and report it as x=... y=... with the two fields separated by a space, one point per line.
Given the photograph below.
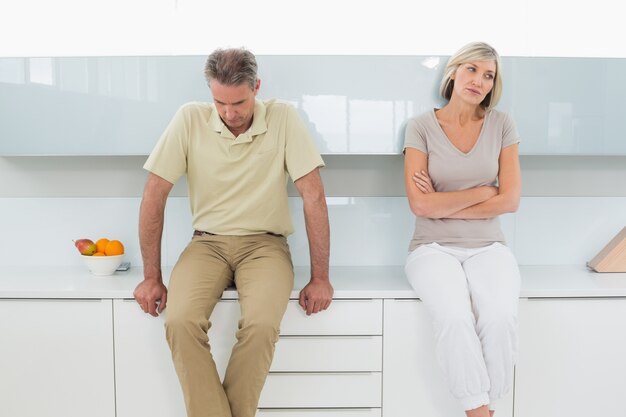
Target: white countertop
x=69 y=282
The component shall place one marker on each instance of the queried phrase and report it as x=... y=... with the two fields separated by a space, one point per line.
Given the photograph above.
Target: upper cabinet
x=352 y=104
x=566 y=106
x=92 y=106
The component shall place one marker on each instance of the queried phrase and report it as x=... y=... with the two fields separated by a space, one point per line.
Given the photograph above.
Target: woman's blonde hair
x=475 y=51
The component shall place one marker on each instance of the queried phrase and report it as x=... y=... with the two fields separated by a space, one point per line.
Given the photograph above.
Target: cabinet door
x=56 y=358
x=572 y=358
x=146 y=382
x=413 y=383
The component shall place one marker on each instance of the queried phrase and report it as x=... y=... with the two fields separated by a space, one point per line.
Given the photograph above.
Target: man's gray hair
x=232 y=67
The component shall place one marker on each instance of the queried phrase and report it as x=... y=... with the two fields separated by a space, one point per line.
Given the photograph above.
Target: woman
x=461 y=172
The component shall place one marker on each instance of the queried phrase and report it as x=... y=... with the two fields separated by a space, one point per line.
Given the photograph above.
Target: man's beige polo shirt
x=237 y=186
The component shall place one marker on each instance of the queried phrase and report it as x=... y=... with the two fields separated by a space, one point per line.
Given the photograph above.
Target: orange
x=99 y=254
x=101 y=244
x=114 y=247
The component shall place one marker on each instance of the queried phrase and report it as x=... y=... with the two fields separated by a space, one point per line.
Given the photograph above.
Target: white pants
x=472 y=297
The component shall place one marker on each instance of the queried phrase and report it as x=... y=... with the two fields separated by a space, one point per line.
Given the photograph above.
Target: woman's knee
x=452 y=323
x=499 y=323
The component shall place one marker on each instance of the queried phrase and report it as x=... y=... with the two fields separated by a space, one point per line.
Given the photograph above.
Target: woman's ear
x=454 y=72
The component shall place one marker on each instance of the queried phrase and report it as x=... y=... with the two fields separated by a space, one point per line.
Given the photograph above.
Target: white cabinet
x=343 y=317
x=321 y=390
x=413 y=383
x=56 y=358
x=327 y=361
x=360 y=358
x=146 y=382
x=572 y=359
x=326 y=412
x=328 y=364
x=328 y=354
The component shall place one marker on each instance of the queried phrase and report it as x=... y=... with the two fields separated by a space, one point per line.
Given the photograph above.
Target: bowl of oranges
x=103 y=256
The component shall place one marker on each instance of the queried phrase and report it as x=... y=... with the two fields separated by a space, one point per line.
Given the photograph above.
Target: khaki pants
x=260 y=267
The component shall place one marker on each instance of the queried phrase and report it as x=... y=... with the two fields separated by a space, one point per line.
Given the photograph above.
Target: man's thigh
x=264 y=278
x=199 y=277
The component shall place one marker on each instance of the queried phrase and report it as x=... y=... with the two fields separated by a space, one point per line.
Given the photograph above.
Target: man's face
x=235 y=104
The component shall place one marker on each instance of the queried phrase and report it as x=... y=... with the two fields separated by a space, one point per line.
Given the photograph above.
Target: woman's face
x=474 y=80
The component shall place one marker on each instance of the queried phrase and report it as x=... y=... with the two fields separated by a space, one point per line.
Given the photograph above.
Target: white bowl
x=102 y=265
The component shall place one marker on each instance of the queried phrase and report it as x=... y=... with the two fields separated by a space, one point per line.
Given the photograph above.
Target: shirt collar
x=258 y=123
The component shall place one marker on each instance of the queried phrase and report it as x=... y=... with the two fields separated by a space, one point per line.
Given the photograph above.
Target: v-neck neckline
x=443 y=132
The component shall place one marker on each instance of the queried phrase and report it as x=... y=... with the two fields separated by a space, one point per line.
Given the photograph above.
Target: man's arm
x=318 y=293
x=151 y=294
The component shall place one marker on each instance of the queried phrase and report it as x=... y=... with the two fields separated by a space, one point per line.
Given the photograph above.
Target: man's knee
x=181 y=322
x=259 y=329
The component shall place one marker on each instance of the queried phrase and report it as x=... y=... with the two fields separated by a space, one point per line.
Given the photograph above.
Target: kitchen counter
x=549 y=281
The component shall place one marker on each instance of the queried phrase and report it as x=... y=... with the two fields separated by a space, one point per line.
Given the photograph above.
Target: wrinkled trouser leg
x=260 y=265
x=472 y=297
x=264 y=280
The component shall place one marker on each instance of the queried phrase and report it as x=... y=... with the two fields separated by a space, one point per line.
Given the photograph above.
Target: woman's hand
x=423 y=182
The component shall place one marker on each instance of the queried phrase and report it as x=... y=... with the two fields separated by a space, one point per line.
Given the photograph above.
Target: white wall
x=364 y=230
x=571 y=205
x=177 y=27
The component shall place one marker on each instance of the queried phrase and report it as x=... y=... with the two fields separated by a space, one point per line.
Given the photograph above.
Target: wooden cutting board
x=612 y=258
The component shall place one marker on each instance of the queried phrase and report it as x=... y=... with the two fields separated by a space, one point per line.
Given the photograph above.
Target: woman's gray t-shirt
x=452 y=170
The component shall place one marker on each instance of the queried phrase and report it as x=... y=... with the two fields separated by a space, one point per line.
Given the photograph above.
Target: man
x=236 y=153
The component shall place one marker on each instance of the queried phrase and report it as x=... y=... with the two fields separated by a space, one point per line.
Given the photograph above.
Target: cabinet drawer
x=285 y=390
x=343 y=317
x=328 y=353
x=327 y=412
